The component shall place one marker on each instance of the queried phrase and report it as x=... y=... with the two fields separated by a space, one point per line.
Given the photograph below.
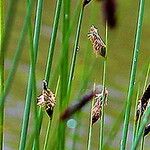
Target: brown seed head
x=47 y=99
x=97 y=108
x=99 y=46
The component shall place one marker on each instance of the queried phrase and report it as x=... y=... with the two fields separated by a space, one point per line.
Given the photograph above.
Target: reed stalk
x=144 y=121
x=132 y=74
x=101 y=136
x=31 y=79
x=51 y=51
x=1 y=71
x=49 y=123
x=17 y=56
x=90 y=126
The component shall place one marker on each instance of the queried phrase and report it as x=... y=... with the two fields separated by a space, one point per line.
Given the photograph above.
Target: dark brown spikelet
x=97 y=108
x=81 y=103
x=147 y=130
x=99 y=46
x=47 y=99
x=109 y=10
x=143 y=103
x=85 y=2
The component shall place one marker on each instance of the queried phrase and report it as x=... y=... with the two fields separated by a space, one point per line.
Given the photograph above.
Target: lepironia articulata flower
x=99 y=46
x=97 y=108
x=46 y=99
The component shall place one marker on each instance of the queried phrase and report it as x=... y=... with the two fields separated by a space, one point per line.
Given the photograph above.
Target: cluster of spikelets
x=47 y=98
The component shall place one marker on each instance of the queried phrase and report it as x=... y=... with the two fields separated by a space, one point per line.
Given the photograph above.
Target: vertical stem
x=49 y=123
x=142 y=143
x=104 y=82
x=132 y=74
x=31 y=76
x=71 y=72
x=90 y=126
x=51 y=51
x=75 y=49
x=1 y=70
x=144 y=121
x=136 y=124
x=52 y=41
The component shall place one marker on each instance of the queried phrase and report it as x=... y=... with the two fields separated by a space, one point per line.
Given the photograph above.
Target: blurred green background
x=120 y=48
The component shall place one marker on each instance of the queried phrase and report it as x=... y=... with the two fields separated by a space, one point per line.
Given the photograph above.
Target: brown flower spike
x=97 y=108
x=99 y=46
x=143 y=103
x=47 y=99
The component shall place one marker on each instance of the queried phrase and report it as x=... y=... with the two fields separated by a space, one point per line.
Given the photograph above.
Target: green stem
x=144 y=121
x=133 y=74
x=104 y=82
x=136 y=125
x=31 y=76
x=90 y=127
x=75 y=50
x=9 y=22
x=49 y=123
x=17 y=55
x=142 y=143
x=1 y=71
x=51 y=51
x=52 y=41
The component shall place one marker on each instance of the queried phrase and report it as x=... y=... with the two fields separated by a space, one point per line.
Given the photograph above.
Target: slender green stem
x=90 y=127
x=51 y=51
x=146 y=78
x=1 y=71
x=52 y=41
x=133 y=74
x=31 y=76
x=136 y=123
x=144 y=121
x=49 y=123
x=17 y=55
x=9 y=22
x=75 y=50
x=104 y=82
x=85 y=78
x=71 y=73
x=142 y=143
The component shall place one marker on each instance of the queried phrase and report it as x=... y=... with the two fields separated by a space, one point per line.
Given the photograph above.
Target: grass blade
x=133 y=74
x=31 y=75
x=16 y=57
x=1 y=71
x=104 y=83
x=49 y=123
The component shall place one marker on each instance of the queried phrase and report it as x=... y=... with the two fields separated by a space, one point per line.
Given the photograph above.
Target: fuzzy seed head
x=99 y=46
x=46 y=99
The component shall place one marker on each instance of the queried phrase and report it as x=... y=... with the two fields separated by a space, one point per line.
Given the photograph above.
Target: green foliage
x=71 y=69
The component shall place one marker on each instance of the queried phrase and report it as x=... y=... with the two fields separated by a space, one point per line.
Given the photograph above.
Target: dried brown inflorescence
x=97 y=108
x=147 y=130
x=47 y=99
x=143 y=103
x=109 y=10
x=82 y=102
x=99 y=46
